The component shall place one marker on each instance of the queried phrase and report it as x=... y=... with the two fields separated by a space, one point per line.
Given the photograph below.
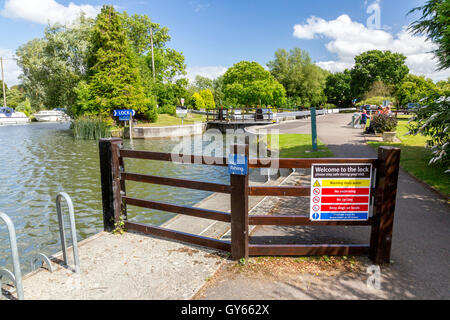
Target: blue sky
x=215 y=34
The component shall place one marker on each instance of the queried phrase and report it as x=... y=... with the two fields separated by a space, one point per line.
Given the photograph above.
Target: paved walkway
x=420 y=267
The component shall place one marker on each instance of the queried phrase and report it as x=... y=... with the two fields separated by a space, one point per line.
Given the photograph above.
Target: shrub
x=168 y=109
x=384 y=123
x=91 y=128
x=151 y=115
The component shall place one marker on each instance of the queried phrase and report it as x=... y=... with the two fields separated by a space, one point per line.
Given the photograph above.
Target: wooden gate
x=115 y=200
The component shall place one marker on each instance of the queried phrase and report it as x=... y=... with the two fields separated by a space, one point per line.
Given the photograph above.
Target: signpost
x=314 y=129
x=181 y=112
x=126 y=115
x=340 y=192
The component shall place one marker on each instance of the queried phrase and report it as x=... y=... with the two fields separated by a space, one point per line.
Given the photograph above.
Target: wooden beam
x=198 y=185
x=178 y=236
x=305 y=163
x=189 y=211
x=179 y=158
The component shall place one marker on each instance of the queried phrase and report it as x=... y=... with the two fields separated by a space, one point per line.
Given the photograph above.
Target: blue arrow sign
x=124 y=112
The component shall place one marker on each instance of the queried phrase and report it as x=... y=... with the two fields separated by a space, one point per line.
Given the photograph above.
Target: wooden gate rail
x=179 y=158
x=179 y=236
x=189 y=211
x=190 y=184
x=113 y=177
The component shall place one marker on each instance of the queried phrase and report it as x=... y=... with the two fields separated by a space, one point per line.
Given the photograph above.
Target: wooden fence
x=115 y=201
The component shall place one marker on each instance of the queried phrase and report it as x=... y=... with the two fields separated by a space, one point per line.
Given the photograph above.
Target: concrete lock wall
x=166 y=132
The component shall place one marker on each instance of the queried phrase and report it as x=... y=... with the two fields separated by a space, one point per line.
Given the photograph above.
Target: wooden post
x=385 y=197
x=111 y=165
x=239 y=209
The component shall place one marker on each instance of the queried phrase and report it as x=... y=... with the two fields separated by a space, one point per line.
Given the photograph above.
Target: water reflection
x=41 y=159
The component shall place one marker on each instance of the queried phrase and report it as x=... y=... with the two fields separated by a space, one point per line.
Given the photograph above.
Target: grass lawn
x=168 y=120
x=415 y=157
x=297 y=145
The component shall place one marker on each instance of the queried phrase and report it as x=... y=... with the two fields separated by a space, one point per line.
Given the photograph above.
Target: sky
x=215 y=34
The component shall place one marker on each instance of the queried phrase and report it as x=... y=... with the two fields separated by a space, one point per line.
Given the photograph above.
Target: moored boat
x=51 y=115
x=10 y=116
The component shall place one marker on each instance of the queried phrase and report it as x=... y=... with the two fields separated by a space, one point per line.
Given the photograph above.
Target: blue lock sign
x=237 y=164
x=124 y=112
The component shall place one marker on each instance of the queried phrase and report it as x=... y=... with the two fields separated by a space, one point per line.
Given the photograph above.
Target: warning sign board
x=340 y=192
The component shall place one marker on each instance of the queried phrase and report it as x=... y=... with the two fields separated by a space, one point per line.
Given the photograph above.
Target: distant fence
x=115 y=201
x=250 y=114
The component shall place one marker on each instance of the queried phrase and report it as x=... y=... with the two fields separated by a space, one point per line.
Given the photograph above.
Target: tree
x=114 y=80
x=247 y=83
x=53 y=66
x=208 y=99
x=337 y=88
x=433 y=121
x=435 y=23
x=203 y=83
x=197 y=101
x=413 y=89
x=376 y=65
x=303 y=80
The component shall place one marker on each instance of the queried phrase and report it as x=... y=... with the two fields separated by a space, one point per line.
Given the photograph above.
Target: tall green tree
x=303 y=80
x=249 y=84
x=435 y=23
x=53 y=66
x=337 y=88
x=114 y=79
x=376 y=65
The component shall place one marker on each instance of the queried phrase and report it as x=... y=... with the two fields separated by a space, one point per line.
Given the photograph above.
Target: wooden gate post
x=385 y=197
x=110 y=167
x=239 y=209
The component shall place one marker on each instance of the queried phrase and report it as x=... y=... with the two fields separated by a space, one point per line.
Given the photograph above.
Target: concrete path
x=420 y=267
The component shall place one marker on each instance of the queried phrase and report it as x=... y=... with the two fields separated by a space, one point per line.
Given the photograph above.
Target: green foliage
x=114 y=81
x=53 y=66
x=301 y=78
x=14 y=97
x=208 y=99
x=433 y=121
x=435 y=23
x=197 y=101
x=414 y=88
x=91 y=128
x=25 y=107
x=167 y=109
x=376 y=65
x=203 y=83
x=337 y=88
x=383 y=123
x=247 y=83
x=377 y=101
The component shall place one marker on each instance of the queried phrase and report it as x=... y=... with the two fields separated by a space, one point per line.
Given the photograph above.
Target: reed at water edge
x=90 y=128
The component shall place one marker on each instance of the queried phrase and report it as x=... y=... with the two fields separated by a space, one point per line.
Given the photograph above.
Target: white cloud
x=10 y=67
x=45 y=11
x=349 y=39
x=211 y=72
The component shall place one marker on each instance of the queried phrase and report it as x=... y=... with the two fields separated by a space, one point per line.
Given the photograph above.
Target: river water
x=39 y=160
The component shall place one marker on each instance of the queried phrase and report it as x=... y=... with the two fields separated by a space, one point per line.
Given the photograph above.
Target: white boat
x=10 y=116
x=51 y=116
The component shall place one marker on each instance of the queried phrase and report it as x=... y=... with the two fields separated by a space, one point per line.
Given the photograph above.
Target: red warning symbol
x=316 y=199
x=316 y=208
x=316 y=191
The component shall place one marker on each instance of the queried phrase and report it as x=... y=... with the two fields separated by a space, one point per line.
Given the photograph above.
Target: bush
x=151 y=115
x=384 y=123
x=92 y=128
x=168 y=109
